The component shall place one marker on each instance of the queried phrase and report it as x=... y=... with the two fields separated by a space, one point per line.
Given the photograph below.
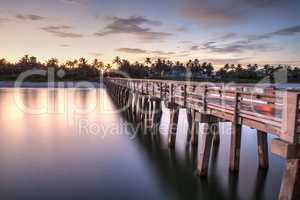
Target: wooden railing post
x=205 y=99
x=147 y=87
x=204 y=150
x=262 y=142
x=174 y=113
x=171 y=93
x=194 y=129
x=153 y=89
x=161 y=90
x=288 y=146
x=236 y=130
x=185 y=94
x=289 y=117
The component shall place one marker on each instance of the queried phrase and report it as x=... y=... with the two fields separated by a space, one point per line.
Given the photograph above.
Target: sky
x=217 y=31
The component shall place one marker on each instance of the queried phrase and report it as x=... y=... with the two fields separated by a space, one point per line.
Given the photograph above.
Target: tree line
x=81 y=69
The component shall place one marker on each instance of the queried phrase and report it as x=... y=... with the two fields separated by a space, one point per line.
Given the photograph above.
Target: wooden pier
x=266 y=109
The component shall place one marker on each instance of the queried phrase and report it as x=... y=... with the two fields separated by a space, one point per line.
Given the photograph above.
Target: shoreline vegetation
x=82 y=70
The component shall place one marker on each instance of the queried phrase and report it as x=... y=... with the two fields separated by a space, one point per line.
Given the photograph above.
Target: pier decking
x=266 y=109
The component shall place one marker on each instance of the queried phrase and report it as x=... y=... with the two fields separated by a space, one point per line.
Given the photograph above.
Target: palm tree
x=82 y=61
x=98 y=65
x=239 y=68
x=3 y=62
x=108 y=67
x=190 y=64
x=53 y=62
x=209 y=69
x=148 y=61
x=24 y=59
x=170 y=63
x=196 y=63
x=70 y=64
x=226 y=68
x=117 y=60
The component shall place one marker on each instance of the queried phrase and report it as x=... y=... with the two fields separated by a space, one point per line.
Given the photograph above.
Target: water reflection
x=42 y=155
x=177 y=173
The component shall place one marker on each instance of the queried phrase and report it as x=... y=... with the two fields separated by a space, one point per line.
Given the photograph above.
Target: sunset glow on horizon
x=227 y=31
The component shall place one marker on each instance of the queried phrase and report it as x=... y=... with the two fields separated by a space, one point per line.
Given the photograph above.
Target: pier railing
x=262 y=107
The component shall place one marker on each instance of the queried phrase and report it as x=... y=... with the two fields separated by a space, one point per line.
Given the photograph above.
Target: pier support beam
x=290 y=185
x=147 y=108
x=194 y=129
x=130 y=106
x=134 y=107
x=262 y=142
x=204 y=149
x=235 y=147
x=189 y=120
x=174 y=113
x=139 y=108
x=216 y=134
x=156 y=115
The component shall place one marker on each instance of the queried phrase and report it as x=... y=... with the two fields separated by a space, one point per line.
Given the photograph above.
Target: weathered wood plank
x=204 y=150
x=284 y=149
x=174 y=113
x=262 y=143
x=291 y=181
x=235 y=146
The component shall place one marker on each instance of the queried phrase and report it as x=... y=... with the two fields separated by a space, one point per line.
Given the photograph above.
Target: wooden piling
x=146 y=113
x=262 y=142
x=194 y=129
x=174 y=113
x=204 y=150
x=139 y=108
x=189 y=120
x=134 y=107
x=290 y=185
x=235 y=146
x=156 y=115
x=216 y=134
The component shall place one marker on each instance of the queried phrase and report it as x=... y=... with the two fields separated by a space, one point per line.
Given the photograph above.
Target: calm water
x=67 y=144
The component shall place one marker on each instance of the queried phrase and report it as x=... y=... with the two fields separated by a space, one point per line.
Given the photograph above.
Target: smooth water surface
x=70 y=144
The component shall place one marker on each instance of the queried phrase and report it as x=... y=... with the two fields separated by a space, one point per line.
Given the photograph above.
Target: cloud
x=132 y=50
x=185 y=42
x=143 y=51
x=227 y=36
x=249 y=44
x=195 y=48
x=134 y=25
x=231 y=11
x=290 y=31
x=234 y=47
x=164 y=53
x=96 y=54
x=220 y=61
x=29 y=17
x=61 y=31
x=3 y=20
x=64 y=45
x=81 y=2
x=206 y=12
x=182 y=29
x=183 y=55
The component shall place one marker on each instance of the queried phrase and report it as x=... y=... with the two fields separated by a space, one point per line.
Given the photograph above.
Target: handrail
x=260 y=106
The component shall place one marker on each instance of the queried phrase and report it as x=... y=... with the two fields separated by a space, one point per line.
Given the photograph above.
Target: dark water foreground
x=68 y=144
